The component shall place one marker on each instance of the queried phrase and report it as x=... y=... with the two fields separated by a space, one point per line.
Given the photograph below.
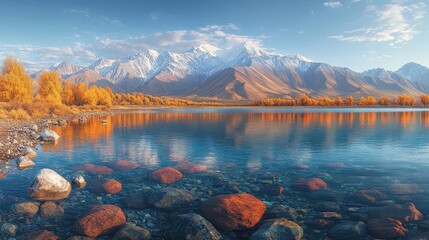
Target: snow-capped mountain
x=246 y=71
x=414 y=72
x=66 y=68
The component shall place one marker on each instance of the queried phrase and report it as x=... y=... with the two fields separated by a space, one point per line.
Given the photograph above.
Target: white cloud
x=394 y=23
x=333 y=4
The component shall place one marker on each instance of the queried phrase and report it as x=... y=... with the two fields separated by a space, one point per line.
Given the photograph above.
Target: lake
x=382 y=151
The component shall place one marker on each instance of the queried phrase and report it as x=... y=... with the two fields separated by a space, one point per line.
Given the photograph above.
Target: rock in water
x=166 y=175
x=28 y=209
x=100 y=220
x=348 y=230
x=233 y=211
x=49 y=135
x=130 y=232
x=278 y=229
x=24 y=162
x=8 y=229
x=170 y=199
x=39 y=235
x=386 y=228
x=405 y=212
x=125 y=165
x=106 y=186
x=79 y=181
x=51 y=210
x=49 y=186
x=192 y=226
x=307 y=185
x=29 y=152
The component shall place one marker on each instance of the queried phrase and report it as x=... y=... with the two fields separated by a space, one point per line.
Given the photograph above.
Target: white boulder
x=49 y=186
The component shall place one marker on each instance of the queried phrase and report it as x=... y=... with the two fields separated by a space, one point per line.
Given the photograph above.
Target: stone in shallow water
x=282 y=211
x=100 y=220
x=29 y=152
x=327 y=207
x=79 y=181
x=39 y=235
x=405 y=212
x=278 y=229
x=310 y=184
x=49 y=135
x=192 y=226
x=24 y=162
x=51 y=210
x=403 y=189
x=386 y=228
x=233 y=211
x=8 y=229
x=166 y=175
x=28 y=209
x=170 y=199
x=105 y=186
x=49 y=186
x=189 y=167
x=320 y=223
x=95 y=169
x=131 y=232
x=369 y=196
x=125 y=165
x=271 y=190
x=330 y=215
x=348 y=230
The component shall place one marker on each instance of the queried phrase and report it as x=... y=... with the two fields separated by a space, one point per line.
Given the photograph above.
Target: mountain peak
x=414 y=72
x=206 y=48
x=300 y=57
x=254 y=48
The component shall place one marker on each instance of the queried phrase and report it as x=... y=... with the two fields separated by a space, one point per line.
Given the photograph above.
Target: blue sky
x=359 y=34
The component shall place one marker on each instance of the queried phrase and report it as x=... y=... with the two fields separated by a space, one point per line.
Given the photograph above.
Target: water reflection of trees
x=153 y=138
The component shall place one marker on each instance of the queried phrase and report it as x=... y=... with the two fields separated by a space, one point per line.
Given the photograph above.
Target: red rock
x=334 y=165
x=369 y=196
x=301 y=166
x=405 y=212
x=386 y=228
x=189 y=167
x=125 y=165
x=106 y=186
x=272 y=190
x=51 y=210
x=320 y=223
x=233 y=211
x=403 y=189
x=307 y=185
x=96 y=169
x=100 y=220
x=40 y=235
x=166 y=175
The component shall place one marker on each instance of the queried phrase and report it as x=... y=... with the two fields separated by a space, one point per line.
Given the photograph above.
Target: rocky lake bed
x=185 y=199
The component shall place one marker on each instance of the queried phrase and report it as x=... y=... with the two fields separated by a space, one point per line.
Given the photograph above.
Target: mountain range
x=244 y=72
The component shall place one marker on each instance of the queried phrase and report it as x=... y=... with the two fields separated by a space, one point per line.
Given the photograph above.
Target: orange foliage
x=15 y=84
x=50 y=88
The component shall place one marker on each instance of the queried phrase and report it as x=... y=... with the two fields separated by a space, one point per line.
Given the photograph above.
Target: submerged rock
x=403 y=189
x=189 y=167
x=8 y=229
x=24 y=162
x=79 y=181
x=348 y=230
x=192 y=226
x=125 y=165
x=100 y=220
x=369 y=196
x=320 y=223
x=39 y=235
x=233 y=211
x=135 y=201
x=95 y=169
x=28 y=209
x=278 y=229
x=51 y=210
x=166 y=175
x=307 y=185
x=405 y=212
x=170 y=199
x=49 y=186
x=386 y=228
x=131 y=232
x=106 y=186
x=271 y=190
x=29 y=152
x=49 y=135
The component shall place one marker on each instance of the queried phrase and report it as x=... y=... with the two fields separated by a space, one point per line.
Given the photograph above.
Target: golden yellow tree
x=15 y=84
x=424 y=99
x=67 y=95
x=50 y=88
x=79 y=92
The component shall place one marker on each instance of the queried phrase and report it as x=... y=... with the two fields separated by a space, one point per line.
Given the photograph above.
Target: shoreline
x=18 y=134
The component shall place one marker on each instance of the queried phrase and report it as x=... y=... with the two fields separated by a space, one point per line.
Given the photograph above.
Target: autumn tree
x=79 y=92
x=424 y=99
x=384 y=101
x=50 y=88
x=67 y=95
x=339 y=101
x=349 y=101
x=405 y=100
x=15 y=84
